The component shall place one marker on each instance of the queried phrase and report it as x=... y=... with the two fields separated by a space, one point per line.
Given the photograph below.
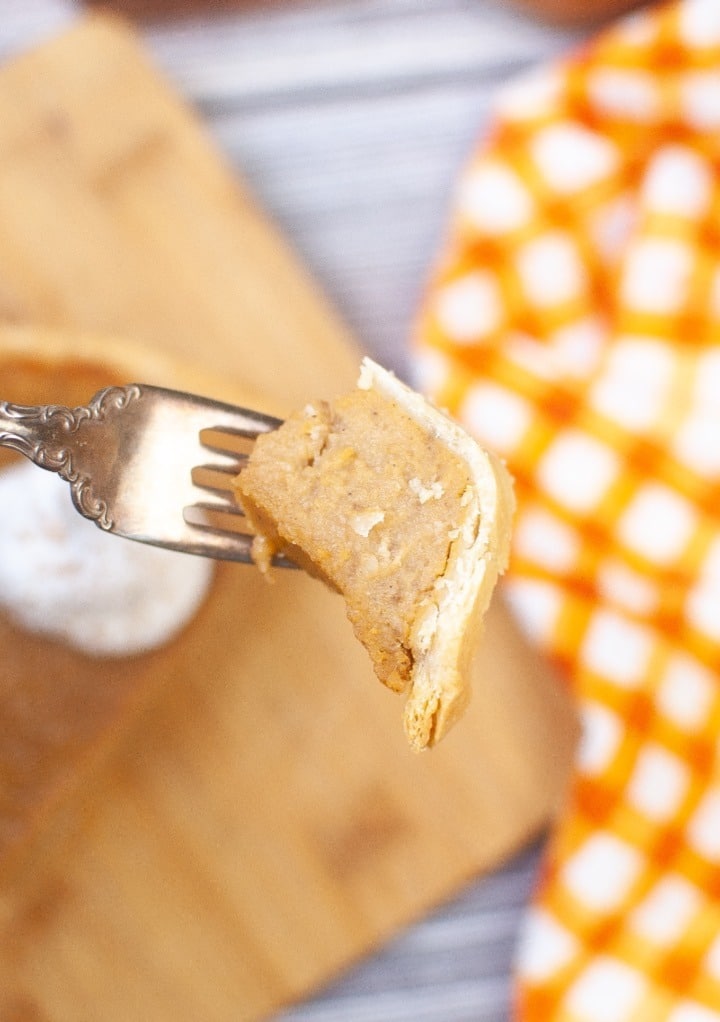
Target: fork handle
x=35 y=431
x=45 y=433
x=48 y=436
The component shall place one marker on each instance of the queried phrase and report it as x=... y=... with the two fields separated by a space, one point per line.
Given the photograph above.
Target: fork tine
x=226 y=470
x=202 y=413
x=225 y=507
x=212 y=541
x=215 y=475
x=216 y=481
x=238 y=421
x=222 y=456
x=209 y=541
x=247 y=424
x=221 y=491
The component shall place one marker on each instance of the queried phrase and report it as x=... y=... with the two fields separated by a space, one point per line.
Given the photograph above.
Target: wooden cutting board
x=257 y=821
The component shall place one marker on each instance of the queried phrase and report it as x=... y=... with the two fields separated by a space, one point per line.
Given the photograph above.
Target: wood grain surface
x=257 y=821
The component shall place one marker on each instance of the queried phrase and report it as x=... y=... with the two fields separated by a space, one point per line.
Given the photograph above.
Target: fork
x=136 y=459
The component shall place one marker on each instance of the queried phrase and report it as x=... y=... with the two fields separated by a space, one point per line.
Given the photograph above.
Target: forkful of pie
x=379 y=494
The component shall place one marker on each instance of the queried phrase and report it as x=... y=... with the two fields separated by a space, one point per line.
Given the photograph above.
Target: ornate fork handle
x=48 y=436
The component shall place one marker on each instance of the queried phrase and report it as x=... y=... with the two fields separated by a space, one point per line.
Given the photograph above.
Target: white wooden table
x=350 y=120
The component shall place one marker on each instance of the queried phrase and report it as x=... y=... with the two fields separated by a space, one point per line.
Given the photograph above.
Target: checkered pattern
x=573 y=325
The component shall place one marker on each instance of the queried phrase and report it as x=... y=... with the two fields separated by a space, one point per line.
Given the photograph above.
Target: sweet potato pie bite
x=391 y=503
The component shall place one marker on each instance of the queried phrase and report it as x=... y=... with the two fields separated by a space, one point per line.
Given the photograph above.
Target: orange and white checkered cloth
x=573 y=325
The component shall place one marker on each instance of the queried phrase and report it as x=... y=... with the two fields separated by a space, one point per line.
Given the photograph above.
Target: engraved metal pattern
x=44 y=435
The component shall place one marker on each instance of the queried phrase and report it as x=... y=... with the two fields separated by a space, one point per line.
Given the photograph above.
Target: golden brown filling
x=360 y=493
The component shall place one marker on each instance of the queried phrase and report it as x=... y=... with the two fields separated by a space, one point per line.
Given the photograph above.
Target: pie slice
x=391 y=503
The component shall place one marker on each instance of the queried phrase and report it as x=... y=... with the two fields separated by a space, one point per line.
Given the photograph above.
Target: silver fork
x=136 y=459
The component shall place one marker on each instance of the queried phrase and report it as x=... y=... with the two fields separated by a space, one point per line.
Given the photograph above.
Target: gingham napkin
x=573 y=325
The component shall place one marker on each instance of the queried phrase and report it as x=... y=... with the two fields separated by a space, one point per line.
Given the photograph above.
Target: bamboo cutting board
x=251 y=820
